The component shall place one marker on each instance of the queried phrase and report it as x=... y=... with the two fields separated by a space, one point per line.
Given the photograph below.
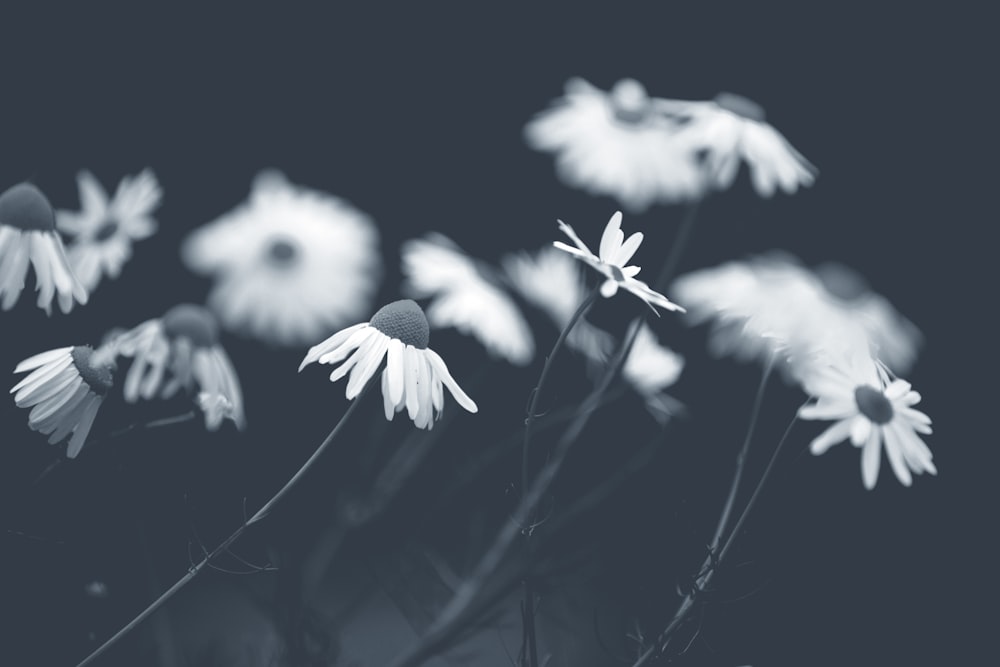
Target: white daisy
x=730 y=129
x=28 y=233
x=616 y=143
x=650 y=368
x=465 y=297
x=181 y=350
x=290 y=263
x=871 y=410
x=615 y=252
x=64 y=390
x=414 y=374
x=103 y=231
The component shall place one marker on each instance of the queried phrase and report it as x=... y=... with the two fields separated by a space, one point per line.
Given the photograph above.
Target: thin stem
x=261 y=513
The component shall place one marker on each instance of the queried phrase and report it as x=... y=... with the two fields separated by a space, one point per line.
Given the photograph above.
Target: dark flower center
x=108 y=229
x=25 y=207
x=630 y=102
x=192 y=322
x=740 y=106
x=873 y=404
x=97 y=375
x=282 y=253
x=405 y=321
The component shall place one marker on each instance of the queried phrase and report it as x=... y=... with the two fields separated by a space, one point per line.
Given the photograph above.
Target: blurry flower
x=651 y=368
x=28 y=233
x=462 y=296
x=414 y=373
x=616 y=143
x=290 y=263
x=730 y=129
x=181 y=350
x=103 y=231
x=615 y=252
x=96 y=589
x=64 y=391
x=870 y=410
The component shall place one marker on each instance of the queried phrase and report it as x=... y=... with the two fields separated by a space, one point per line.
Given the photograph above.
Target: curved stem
x=261 y=513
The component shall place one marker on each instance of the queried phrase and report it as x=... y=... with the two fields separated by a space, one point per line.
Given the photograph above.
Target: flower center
x=25 y=207
x=191 y=322
x=282 y=253
x=873 y=404
x=96 y=373
x=629 y=101
x=740 y=106
x=108 y=229
x=405 y=321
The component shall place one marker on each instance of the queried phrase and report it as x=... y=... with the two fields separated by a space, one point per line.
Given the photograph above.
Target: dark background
x=415 y=116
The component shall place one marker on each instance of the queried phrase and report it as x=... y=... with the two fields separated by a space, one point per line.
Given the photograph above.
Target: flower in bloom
x=290 y=263
x=181 y=350
x=615 y=252
x=650 y=368
x=871 y=410
x=28 y=234
x=64 y=390
x=103 y=230
x=616 y=143
x=464 y=295
x=414 y=375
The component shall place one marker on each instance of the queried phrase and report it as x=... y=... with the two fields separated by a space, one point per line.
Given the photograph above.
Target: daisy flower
x=650 y=368
x=464 y=296
x=871 y=410
x=181 y=350
x=290 y=263
x=64 y=390
x=616 y=143
x=414 y=374
x=731 y=129
x=103 y=230
x=615 y=252
x=28 y=233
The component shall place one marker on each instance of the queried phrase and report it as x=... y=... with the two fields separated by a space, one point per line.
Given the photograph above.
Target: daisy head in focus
x=28 y=234
x=614 y=254
x=289 y=264
x=181 y=350
x=414 y=375
x=873 y=411
x=103 y=230
x=64 y=389
x=617 y=143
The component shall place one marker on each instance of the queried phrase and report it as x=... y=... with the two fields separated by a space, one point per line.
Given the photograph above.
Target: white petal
x=871 y=456
x=894 y=450
x=439 y=367
x=611 y=239
x=609 y=288
x=628 y=249
x=396 y=371
x=330 y=344
x=43 y=358
x=366 y=368
x=831 y=436
x=861 y=429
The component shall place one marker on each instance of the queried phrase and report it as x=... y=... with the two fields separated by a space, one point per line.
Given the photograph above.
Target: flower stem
x=194 y=570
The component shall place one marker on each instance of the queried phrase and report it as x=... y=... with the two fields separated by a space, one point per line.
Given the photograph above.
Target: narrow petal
x=871 y=457
x=412 y=374
x=442 y=371
x=628 y=249
x=330 y=344
x=611 y=239
x=366 y=368
x=894 y=450
x=41 y=359
x=609 y=288
x=831 y=436
x=568 y=231
x=83 y=427
x=388 y=405
x=861 y=428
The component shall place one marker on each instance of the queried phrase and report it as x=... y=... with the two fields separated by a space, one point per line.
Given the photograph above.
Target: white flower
x=616 y=143
x=103 y=231
x=28 y=233
x=290 y=263
x=730 y=129
x=615 y=252
x=64 y=391
x=650 y=368
x=462 y=296
x=870 y=410
x=414 y=374
x=181 y=350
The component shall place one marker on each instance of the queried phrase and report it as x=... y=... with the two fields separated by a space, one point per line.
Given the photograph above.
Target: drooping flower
x=616 y=143
x=414 y=375
x=463 y=295
x=104 y=230
x=651 y=368
x=870 y=409
x=615 y=252
x=28 y=234
x=181 y=350
x=64 y=390
x=290 y=264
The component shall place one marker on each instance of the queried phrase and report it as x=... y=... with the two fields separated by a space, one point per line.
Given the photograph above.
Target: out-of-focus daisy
x=181 y=350
x=870 y=410
x=414 y=374
x=103 y=230
x=731 y=129
x=616 y=143
x=650 y=368
x=64 y=390
x=464 y=296
x=290 y=263
x=615 y=252
x=28 y=233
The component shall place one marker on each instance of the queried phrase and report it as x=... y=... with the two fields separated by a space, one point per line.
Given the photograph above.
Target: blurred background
x=415 y=116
